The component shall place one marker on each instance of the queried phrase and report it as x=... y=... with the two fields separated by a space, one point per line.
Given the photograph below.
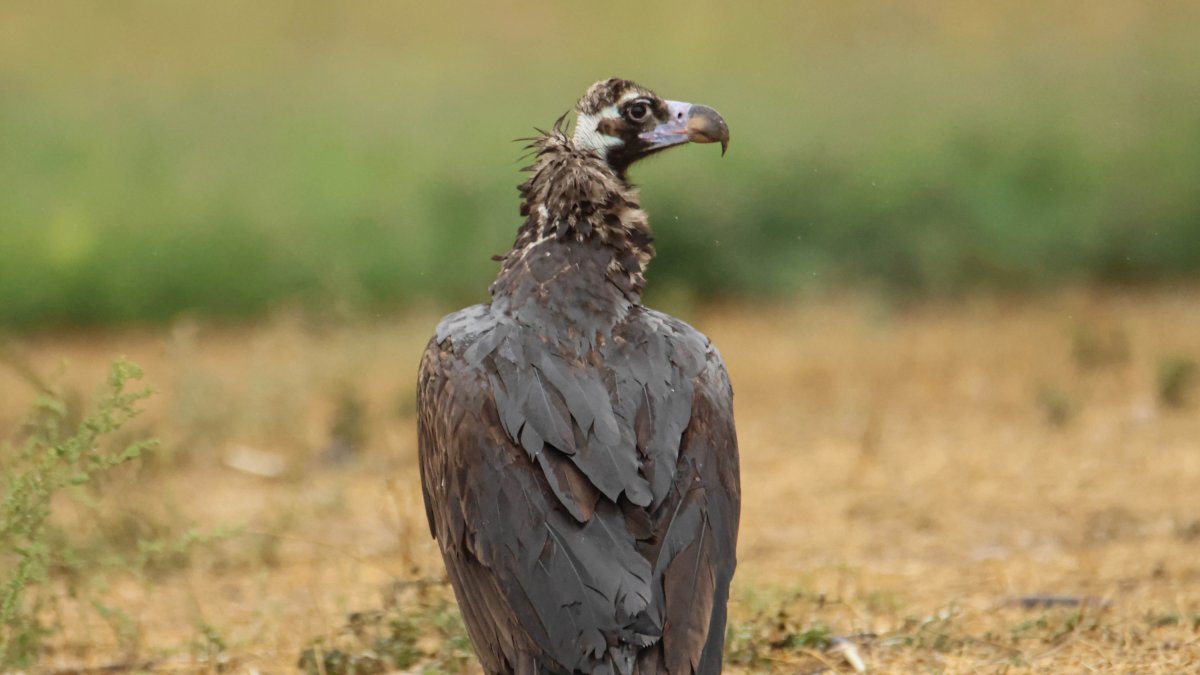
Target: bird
x=578 y=455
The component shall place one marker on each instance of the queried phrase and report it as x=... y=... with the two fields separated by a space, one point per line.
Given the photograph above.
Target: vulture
x=577 y=449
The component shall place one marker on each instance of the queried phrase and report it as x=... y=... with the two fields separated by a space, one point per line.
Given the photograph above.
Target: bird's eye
x=638 y=112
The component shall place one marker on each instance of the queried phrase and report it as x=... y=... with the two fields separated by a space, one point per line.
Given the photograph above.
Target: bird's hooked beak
x=688 y=123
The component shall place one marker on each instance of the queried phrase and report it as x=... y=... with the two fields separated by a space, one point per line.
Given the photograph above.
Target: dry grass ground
x=908 y=475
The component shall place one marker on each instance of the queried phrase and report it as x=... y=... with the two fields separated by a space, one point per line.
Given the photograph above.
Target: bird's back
x=559 y=489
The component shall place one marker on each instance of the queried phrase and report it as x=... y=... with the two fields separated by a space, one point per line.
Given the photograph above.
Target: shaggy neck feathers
x=585 y=236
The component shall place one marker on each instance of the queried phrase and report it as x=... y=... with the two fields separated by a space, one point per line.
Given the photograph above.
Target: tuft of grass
x=420 y=625
x=1054 y=626
x=779 y=627
x=209 y=643
x=937 y=632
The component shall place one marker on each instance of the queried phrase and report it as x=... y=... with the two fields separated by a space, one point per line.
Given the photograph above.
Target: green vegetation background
x=224 y=156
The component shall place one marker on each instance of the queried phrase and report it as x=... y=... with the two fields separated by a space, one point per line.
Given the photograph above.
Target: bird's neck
x=582 y=251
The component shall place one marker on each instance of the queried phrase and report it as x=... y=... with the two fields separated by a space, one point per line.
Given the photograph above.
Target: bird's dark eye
x=638 y=112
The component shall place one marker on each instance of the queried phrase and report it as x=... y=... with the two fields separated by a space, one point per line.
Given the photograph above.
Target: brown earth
x=910 y=474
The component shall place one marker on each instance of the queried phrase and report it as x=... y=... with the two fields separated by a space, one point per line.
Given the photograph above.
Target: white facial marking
x=588 y=135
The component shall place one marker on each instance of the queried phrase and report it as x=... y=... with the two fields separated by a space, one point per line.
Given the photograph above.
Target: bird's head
x=624 y=122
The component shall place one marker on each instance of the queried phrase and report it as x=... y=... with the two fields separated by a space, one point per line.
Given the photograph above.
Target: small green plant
x=209 y=645
x=455 y=651
x=348 y=432
x=1055 y=404
x=1160 y=619
x=780 y=626
x=56 y=456
x=420 y=626
x=1177 y=377
x=1095 y=349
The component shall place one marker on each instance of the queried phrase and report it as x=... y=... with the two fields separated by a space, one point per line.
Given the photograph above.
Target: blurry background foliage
x=225 y=156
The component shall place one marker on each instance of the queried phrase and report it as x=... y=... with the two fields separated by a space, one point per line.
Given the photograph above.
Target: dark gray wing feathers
x=580 y=502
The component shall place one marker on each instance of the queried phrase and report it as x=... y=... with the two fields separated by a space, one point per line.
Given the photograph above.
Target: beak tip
x=706 y=125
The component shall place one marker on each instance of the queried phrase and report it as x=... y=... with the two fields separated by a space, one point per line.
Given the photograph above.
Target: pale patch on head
x=630 y=95
x=588 y=135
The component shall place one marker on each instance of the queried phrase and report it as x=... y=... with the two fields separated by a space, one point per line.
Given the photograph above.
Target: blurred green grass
x=223 y=157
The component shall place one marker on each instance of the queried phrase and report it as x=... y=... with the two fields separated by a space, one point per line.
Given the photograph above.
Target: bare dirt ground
x=910 y=476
